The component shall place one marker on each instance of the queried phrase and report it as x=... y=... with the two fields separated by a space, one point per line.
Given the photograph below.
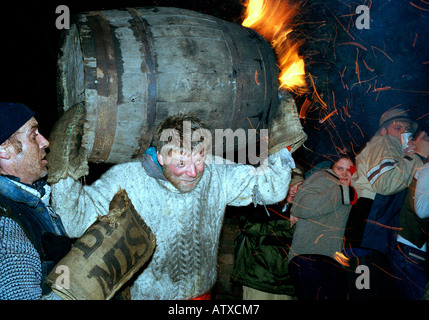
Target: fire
x=273 y=20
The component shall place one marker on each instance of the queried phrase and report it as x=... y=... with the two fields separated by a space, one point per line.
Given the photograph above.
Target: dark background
x=392 y=55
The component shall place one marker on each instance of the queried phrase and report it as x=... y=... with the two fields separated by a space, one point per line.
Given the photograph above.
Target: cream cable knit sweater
x=186 y=225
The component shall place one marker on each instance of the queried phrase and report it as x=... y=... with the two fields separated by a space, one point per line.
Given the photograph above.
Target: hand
x=286 y=158
x=411 y=149
x=293 y=220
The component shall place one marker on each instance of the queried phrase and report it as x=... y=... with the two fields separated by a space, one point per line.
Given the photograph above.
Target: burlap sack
x=107 y=255
x=285 y=129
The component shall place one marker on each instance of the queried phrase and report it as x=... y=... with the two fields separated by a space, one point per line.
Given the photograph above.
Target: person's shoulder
x=375 y=141
x=13 y=237
x=322 y=173
x=324 y=179
x=422 y=172
x=125 y=168
x=129 y=171
x=316 y=178
x=380 y=143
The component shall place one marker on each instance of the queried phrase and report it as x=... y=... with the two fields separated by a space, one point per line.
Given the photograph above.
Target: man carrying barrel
x=179 y=189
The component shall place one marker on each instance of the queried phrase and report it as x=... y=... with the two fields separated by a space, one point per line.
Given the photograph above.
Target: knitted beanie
x=12 y=117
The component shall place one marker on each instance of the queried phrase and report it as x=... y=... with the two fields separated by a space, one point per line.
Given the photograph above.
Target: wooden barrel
x=133 y=67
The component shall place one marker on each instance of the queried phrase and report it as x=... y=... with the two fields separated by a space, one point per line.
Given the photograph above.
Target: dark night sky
x=392 y=55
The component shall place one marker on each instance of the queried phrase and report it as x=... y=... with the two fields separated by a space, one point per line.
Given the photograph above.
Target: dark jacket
x=382 y=224
x=412 y=227
x=39 y=223
x=374 y=224
x=262 y=258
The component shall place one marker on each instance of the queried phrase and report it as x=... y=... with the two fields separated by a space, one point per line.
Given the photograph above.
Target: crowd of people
x=354 y=230
x=362 y=225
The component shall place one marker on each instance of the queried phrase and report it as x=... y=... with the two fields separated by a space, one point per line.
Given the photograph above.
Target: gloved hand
x=286 y=158
x=66 y=156
x=284 y=127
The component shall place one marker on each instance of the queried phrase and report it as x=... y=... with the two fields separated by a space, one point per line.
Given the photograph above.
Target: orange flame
x=273 y=20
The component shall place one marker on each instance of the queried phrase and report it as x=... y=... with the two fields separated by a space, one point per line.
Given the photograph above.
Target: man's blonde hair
x=183 y=133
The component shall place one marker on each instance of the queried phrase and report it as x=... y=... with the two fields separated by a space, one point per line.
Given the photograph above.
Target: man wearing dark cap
x=385 y=169
x=32 y=237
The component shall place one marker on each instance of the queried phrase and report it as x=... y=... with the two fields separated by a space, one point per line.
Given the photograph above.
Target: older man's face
x=184 y=171
x=27 y=161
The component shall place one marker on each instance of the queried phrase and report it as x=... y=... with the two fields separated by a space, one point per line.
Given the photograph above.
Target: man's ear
x=4 y=152
x=383 y=131
x=159 y=157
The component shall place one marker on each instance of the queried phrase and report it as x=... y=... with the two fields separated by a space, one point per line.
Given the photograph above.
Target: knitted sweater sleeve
x=20 y=267
x=80 y=205
x=270 y=180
